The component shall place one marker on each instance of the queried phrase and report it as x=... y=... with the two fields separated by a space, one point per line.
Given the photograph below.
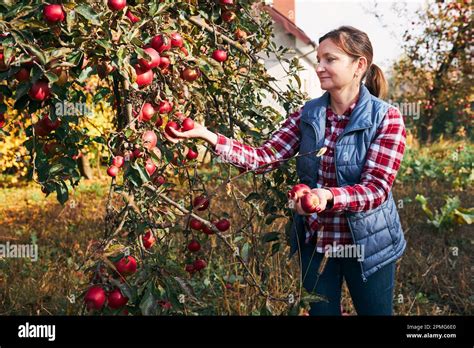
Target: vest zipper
x=364 y=279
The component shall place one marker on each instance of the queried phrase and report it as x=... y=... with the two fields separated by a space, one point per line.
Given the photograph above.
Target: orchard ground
x=433 y=277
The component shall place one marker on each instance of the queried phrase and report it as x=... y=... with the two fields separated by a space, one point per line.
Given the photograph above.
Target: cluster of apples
x=201 y=203
x=150 y=139
x=227 y=13
x=96 y=296
x=308 y=200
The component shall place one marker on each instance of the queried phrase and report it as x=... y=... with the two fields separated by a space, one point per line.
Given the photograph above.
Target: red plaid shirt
x=383 y=161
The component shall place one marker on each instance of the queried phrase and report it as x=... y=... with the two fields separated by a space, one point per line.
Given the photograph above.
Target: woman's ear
x=361 y=67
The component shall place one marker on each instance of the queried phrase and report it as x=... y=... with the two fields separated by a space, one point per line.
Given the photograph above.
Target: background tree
x=436 y=69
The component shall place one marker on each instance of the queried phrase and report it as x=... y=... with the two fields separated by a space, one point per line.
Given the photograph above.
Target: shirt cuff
x=339 y=200
x=223 y=144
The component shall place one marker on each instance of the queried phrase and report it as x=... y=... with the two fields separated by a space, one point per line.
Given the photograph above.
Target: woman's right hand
x=199 y=131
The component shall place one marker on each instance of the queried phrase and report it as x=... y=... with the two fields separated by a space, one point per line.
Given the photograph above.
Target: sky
x=317 y=17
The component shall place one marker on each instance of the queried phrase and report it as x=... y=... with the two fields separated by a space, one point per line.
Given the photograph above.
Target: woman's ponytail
x=375 y=82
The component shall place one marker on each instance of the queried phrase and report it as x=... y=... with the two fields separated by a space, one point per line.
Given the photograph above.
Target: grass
x=430 y=279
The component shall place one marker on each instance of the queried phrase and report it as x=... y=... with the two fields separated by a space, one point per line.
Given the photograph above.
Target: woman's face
x=335 y=68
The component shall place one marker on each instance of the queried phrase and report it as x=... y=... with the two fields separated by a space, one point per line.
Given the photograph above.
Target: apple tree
x=181 y=226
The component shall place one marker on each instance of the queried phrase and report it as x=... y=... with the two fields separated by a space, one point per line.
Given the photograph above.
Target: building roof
x=289 y=26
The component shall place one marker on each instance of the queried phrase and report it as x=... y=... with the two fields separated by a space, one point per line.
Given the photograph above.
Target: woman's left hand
x=324 y=196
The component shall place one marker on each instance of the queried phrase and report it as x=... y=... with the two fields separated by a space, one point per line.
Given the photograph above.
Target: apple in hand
x=298 y=191
x=309 y=202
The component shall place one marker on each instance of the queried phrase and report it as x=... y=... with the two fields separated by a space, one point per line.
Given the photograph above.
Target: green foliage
x=449 y=215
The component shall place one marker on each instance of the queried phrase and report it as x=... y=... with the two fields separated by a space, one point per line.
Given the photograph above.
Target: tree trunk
x=84 y=167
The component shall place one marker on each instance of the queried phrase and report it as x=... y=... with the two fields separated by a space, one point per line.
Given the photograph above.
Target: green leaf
x=245 y=252
x=105 y=44
x=424 y=205
x=56 y=169
x=36 y=51
x=465 y=216
x=51 y=77
x=88 y=13
x=62 y=193
x=85 y=74
x=275 y=248
x=148 y=303
x=253 y=196
x=270 y=237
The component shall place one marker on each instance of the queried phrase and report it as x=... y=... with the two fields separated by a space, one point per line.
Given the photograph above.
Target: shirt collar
x=332 y=116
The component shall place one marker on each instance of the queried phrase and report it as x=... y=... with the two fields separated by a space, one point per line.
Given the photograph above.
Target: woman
x=364 y=139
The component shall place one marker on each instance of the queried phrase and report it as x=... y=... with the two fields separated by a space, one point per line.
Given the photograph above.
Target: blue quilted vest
x=379 y=230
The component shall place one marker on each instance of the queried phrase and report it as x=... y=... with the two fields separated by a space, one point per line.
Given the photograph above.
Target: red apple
x=159 y=180
x=3 y=122
x=150 y=63
x=148 y=240
x=95 y=297
x=104 y=68
x=150 y=167
x=118 y=161
x=176 y=40
x=40 y=129
x=298 y=190
x=309 y=202
x=164 y=63
x=62 y=74
x=39 y=91
x=23 y=75
x=184 y=50
x=190 y=74
x=187 y=124
x=194 y=246
x=222 y=225
x=132 y=17
x=169 y=125
x=159 y=122
x=144 y=76
x=199 y=264
x=207 y=230
x=5 y=65
x=149 y=139
x=201 y=203
x=49 y=124
x=116 y=5
x=195 y=224
x=146 y=112
x=219 y=55
x=240 y=34
x=161 y=43
x=53 y=13
x=190 y=269
x=112 y=171
x=191 y=154
x=126 y=265
x=137 y=153
x=116 y=300
x=226 y=2
x=165 y=107
x=228 y=16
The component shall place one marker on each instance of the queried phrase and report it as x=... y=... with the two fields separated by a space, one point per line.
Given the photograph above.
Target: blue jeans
x=374 y=297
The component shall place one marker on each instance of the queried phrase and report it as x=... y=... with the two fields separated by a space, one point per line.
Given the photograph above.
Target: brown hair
x=356 y=43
